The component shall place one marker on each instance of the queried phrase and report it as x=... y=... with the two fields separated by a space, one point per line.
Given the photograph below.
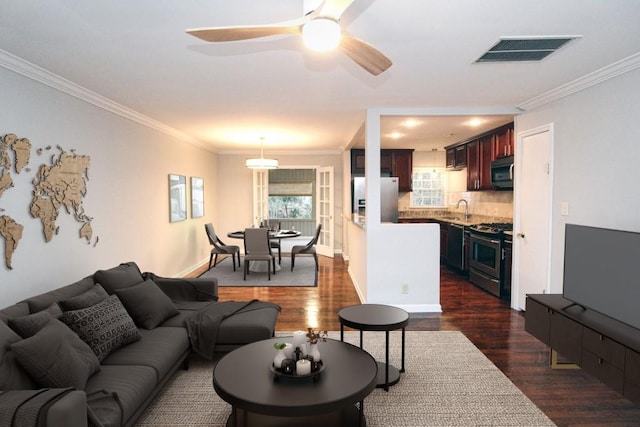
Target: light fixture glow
x=261 y=163
x=321 y=34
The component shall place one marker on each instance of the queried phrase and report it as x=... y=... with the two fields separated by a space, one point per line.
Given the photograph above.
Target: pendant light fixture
x=261 y=163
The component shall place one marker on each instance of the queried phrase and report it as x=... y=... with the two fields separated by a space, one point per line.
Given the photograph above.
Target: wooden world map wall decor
x=61 y=183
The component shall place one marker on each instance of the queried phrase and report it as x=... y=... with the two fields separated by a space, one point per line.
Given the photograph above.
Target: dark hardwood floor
x=568 y=397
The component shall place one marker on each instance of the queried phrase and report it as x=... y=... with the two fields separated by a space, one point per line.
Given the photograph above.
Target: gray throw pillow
x=28 y=326
x=12 y=375
x=122 y=276
x=105 y=326
x=56 y=357
x=147 y=304
x=87 y=299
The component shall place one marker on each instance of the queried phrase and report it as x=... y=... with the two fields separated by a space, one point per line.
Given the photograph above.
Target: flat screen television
x=601 y=271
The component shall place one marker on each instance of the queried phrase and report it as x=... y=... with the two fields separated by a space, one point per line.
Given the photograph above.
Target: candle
x=303 y=367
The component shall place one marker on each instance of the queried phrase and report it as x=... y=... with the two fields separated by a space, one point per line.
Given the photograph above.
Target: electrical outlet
x=405 y=289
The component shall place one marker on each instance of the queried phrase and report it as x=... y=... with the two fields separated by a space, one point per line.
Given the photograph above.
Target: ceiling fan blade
x=228 y=34
x=333 y=8
x=365 y=55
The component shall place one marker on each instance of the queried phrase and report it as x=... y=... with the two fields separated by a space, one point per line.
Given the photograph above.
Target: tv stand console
x=604 y=347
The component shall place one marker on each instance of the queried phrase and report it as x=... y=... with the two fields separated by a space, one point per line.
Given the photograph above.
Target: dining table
x=273 y=235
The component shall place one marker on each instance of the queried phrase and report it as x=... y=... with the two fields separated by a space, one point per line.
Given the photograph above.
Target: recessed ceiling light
x=396 y=135
x=474 y=122
x=410 y=123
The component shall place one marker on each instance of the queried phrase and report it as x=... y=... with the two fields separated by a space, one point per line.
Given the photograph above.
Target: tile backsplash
x=486 y=203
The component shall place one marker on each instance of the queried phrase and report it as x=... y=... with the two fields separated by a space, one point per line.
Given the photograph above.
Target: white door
x=324 y=191
x=260 y=196
x=533 y=203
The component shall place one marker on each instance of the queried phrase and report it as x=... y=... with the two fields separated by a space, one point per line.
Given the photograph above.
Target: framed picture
x=197 y=197
x=177 y=198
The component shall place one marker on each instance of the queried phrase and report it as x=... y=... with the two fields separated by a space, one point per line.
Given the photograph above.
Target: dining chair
x=275 y=244
x=220 y=248
x=309 y=249
x=257 y=248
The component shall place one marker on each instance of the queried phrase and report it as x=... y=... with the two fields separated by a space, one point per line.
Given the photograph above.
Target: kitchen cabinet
x=455 y=246
x=503 y=142
x=457 y=157
x=603 y=347
x=444 y=240
x=479 y=164
x=467 y=250
x=398 y=163
x=508 y=259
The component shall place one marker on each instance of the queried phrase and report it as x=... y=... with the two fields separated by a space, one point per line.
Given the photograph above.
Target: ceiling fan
x=325 y=16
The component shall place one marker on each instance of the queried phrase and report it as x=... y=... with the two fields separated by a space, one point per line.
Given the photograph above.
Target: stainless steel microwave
x=502 y=173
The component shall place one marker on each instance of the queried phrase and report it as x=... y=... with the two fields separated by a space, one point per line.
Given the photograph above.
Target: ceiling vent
x=524 y=49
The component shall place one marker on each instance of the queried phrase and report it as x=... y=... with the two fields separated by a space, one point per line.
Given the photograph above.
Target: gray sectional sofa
x=98 y=351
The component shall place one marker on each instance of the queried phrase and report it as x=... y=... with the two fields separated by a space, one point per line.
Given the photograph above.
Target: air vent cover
x=524 y=49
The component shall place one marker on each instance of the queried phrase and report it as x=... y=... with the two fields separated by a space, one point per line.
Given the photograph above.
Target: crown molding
x=39 y=74
x=606 y=73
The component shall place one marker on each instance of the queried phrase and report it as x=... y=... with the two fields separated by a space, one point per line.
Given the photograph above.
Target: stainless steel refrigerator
x=388 y=198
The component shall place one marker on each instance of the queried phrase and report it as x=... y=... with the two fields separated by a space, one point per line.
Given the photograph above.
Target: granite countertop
x=452 y=217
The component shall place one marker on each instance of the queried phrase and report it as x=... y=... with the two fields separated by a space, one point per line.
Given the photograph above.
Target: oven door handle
x=484 y=239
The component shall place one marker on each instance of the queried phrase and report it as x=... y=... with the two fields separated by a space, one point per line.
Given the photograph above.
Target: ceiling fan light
x=321 y=34
x=261 y=163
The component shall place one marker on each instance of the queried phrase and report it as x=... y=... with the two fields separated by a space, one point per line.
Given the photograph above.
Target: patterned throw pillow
x=105 y=326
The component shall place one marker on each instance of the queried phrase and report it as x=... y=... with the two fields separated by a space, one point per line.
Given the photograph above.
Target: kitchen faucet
x=466 y=208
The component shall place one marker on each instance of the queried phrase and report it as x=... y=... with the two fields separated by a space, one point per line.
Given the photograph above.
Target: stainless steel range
x=487 y=257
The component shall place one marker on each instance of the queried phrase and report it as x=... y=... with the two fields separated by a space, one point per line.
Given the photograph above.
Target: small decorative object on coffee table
x=314 y=337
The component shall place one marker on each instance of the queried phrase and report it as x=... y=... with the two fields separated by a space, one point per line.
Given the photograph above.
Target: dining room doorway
x=297 y=198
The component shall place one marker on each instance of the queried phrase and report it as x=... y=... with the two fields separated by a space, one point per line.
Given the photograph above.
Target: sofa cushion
x=15 y=310
x=29 y=325
x=42 y=301
x=86 y=299
x=12 y=375
x=147 y=304
x=133 y=384
x=105 y=326
x=122 y=276
x=159 y=348
x=56 y=357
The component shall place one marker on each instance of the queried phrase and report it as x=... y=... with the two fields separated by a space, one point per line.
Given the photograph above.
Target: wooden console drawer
x=603 y=347
x=566 y=337
x=537 y=320
x=632 y=376
x=603 y=370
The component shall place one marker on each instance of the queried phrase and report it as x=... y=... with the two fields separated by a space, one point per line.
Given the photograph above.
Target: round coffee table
x=377 y=317
x=244 y=379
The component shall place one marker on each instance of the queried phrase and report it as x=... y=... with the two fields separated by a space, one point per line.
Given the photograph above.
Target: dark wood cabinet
x=467 y=250
x=357 y=162
x=402 y=167
x=479 y=164
x=398 y=163
x=444 y=240
x=457 y=157
x=603 y=347
x=506 y=265
x=503 y=142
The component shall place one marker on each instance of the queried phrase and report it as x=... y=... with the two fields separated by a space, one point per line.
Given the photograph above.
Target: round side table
x=377 y=317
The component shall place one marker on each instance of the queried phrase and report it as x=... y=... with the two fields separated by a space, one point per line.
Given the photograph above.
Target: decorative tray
x=279 y=374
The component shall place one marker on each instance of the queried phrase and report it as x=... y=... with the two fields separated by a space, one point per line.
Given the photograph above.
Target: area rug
x=448 y=382
x=304 y=273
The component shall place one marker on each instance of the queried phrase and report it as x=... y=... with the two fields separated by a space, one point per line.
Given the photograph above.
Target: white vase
x=279 y=357
x=314 y=352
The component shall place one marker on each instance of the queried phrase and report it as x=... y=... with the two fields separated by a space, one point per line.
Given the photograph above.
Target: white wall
x=596 y=159
x=127 y=192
